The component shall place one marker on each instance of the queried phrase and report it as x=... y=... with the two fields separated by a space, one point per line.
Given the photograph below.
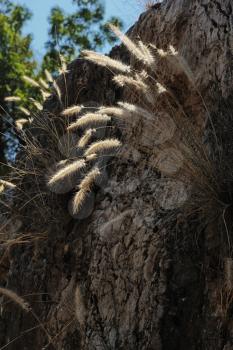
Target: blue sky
x=127 y=10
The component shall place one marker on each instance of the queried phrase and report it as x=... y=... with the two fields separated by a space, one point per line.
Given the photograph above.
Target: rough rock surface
x=121 y=279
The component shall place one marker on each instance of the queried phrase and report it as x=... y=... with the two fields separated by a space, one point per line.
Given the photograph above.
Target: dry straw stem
x=71 y=111
x=31 y=81
x=85 y=139
x=141 y=51
x=89 y=119
x=16 y=298
x=85 y=187
x=105 y=61
x=66 y=172
x=102 y=146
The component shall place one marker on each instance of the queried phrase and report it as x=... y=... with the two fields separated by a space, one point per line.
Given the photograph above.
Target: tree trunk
x=121 y=279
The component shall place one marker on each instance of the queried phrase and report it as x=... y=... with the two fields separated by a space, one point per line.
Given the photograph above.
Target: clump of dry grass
x=197 y=167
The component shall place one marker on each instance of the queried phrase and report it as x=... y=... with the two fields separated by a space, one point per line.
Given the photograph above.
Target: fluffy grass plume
x=116 y=111
x=89 y=119
x=57 y=90
x=105 y=61
x=7 y=184
x=12 y=99
x=102 y=146
x=88 y=181
x=43 y=84
x=85 y=139
x=66 y=172
x=84 y=188
x=137 y=110
x=71 y=111
x=37 y=104
x=44 y=94
x=48 y=76
x=141 y=52
x=19 y=123
x=15 y=298
x=24 y=110
x=31 y=81
x=91 y=157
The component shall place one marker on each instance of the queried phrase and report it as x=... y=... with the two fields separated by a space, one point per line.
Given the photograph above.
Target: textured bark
x=136 y=286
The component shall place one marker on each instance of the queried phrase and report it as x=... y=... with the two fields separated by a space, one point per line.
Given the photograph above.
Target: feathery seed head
x=102 y=146
x=91 y=157
x=84 y=189
x=149 y=58
x=31 y=81
x=43 y=84
x=160 y=88
x=137 y=83
x=38 y=105
x=24 y=110
x=57 y=90
x=89 y=119
x=141 y=52
x=77 y=201
x=12 y=99
x=48 y=76
x=71 y=110
x=172 y=50
x=105 y=61
x=116 y=111
x=7 y=184
x=20 y=123
x=67 y=171
x=44 y=94
x=89 y=180
x=86 y=138
x=137 y=110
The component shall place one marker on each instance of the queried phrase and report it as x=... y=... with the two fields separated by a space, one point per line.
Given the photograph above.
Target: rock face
x=130 y=276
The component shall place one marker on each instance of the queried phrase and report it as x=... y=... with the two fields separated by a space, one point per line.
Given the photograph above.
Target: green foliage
x=83 y=29
x=16 y=60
